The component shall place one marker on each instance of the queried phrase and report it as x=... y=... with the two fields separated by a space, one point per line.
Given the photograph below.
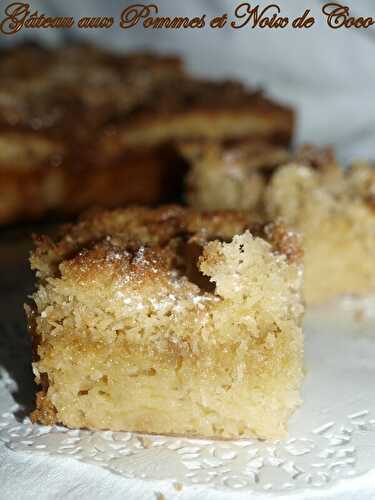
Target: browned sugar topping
x=122 y=233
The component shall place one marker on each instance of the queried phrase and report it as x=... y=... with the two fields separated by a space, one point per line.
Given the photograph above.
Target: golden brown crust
x=370 y=200
x=208 y=96
x=99 y=236
x=284 y=241
x=45 y=412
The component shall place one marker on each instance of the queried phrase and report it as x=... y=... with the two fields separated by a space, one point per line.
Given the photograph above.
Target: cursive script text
x=145 y=15
x=338 y=16
x=18 y=16
x=268 y=17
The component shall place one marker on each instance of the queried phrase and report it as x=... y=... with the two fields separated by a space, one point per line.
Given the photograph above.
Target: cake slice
x=168 y=321
x=331 y=207
x=334 y=209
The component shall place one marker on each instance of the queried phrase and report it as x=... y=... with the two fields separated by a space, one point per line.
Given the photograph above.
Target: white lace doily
x=331 y=437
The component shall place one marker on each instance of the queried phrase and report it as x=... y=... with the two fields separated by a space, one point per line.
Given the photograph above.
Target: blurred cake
x=82 y=127
x=231 y=176
x=168 y=321
x=190 y=109
x=334 y=209
x=331 y=207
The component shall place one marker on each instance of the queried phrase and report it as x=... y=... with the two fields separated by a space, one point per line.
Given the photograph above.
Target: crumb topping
x=144 y=237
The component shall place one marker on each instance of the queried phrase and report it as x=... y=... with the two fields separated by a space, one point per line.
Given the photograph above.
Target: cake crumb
x=178 y=486
x=159 y=496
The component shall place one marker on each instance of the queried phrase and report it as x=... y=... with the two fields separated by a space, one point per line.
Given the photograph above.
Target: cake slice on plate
x=168 y=321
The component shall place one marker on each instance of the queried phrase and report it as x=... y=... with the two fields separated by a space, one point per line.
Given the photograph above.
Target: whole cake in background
x=332 y=208
x=82 y=127
x=168 y=321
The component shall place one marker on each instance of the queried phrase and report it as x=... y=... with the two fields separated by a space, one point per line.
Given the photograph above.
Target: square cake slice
x=168 y=321
x=334 y=209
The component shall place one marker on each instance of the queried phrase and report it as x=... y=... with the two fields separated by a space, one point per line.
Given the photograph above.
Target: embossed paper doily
x=331 y=437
